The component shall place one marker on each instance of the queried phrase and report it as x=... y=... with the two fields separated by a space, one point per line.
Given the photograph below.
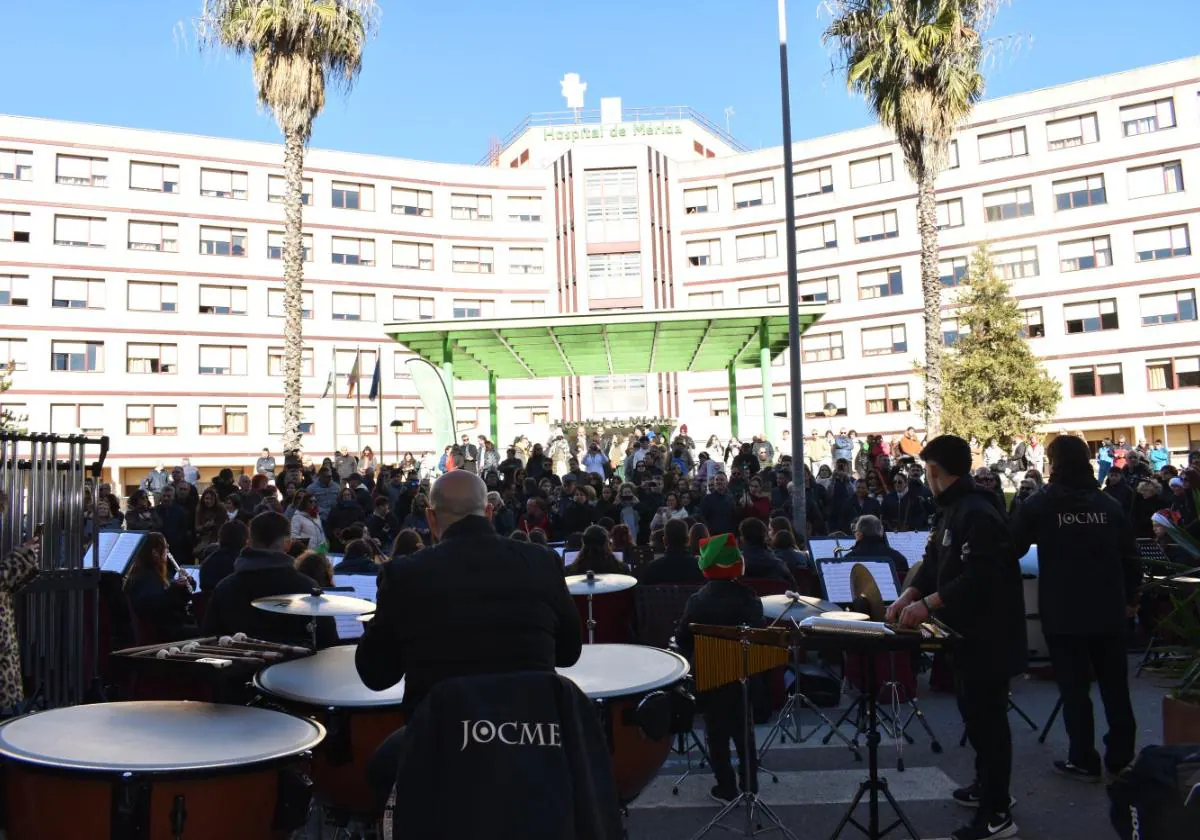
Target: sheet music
x=116 y=550
x=909 y=543
x=363 y=586
x=823 y=547
x=836 y=576
x=194 y=573
x=569 y=557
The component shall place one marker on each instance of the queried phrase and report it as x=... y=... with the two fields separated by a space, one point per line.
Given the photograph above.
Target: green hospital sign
x=572 y=133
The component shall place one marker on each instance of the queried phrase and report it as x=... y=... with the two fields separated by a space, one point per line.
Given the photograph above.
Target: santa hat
x=720 y=558
x=1165 y=518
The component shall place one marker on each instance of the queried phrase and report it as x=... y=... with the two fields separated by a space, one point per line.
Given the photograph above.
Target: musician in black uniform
x=971 y=580
x=1089 y=572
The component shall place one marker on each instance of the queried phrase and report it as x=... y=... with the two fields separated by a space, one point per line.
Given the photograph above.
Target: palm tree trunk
x=931 y=291
x=293 y=281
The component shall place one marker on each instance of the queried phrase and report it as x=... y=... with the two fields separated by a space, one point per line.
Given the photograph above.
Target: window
x=353 y=307
x=614 y=276
x=700 y=200
x=14 y=227
x=816 y=237
x=1082 y=254
x=277 y=190
x=153 y=177
x=406 y=202
x=887 y=399
x=152 y=420
x=85 y=419
x=223 y=419
x=1000 y=145
x=756 y=246
x=815 y=403
x=754 y=193
x=1169 y=308
x=151 y=358
x=1016 y=263
x=14 y=354
x=1171 y=374
x=1161 y=243
x=820 y=290
x=949 y=213
x=151 y=297
x=275 y=361
x=77 y=356
x=474 y=309
x=1033 y=326
x=1159 y=179
x=16 y=165
x=275 y=308
x=706 y=300
x=822 y=348
x=80 y=231
x=222 y=300
x=524 y=208
x=412 y=308
x=347 y=251
x=1097 y=381
x=618 y=394
x=753 y=406
x=1008 y=204
x=275 y=420
x=1148 y=117
x=275 y=245
x=82 y=171
x=952 y=331
x=471 y=207
x=758 y=295
x=812 y=182
x=526 y=260
x=952 y=272
x=352 y=196
x=223 y=242
x=13 y=290
x=472 y=260
x=612 y=205
x=1072 y=131
x=715 y=407
x=525 y=415
x=527 y=308
x=704 y=252
x=875 y=226
x=223 y=183
x=77 y=293
x=153 y=236
x=418 y=255
x=222 y=361
x=883 y=283
x=1079 y=192
x=884 y=341
x=952 y=155
x=1090 y=316
x=870 y=171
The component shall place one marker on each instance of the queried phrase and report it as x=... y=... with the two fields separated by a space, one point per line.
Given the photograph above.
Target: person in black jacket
x=761 y=562
x=159 y=603
x=971 y=580
x=904 y=509
x=264 y=569
x=175 y=524
x=726 y=601
x=716 y=508
x=381 y=524
x=860 y=504
x=1089 y=572
x=870 y=541
x=231 y=539
x=677 y=564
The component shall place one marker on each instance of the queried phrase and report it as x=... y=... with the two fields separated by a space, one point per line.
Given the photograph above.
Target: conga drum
x=630 y=685
x=149 y=770
x=326 y=687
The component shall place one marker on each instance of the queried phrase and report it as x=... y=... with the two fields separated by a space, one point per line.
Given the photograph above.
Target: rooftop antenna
x=729 y=112
x=494 y=149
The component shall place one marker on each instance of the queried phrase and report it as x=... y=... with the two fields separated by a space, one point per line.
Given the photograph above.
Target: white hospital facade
x=141 y=292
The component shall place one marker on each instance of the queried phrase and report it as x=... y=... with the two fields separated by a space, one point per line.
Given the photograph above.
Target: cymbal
x=599 y=584
x=364 y=618
x=309 y=604
x=864 y=587
x=778 y=606
x=912 y=574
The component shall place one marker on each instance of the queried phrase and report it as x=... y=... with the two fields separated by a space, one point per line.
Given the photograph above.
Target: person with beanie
x=723 y=600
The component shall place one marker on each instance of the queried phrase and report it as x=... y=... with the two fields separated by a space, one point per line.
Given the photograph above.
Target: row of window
x=1064 y=133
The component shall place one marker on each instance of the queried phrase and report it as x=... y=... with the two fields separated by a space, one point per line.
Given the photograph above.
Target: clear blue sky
x=443 y=77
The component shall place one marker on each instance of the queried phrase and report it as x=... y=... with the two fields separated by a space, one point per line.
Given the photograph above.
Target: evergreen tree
x=994 y=386
x=9 y=422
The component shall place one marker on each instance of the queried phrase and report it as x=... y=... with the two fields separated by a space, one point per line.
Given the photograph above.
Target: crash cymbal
x=912 y=574
x=797 y=608
x=866 y=591
x=599 y=584
x=314 y=603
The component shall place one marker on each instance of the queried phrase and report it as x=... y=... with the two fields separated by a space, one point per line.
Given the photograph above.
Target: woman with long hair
x=210 y=516
x=696 y=534
x=407 y=542
x=317 y=567
x=345 y=513
x=596 y=555
x=367 y=461
x=782 y=536
x=159 y=604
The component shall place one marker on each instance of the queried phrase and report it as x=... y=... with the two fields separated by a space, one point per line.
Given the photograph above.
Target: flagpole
x=357 y=400
x=333 y=374
x=379 y=407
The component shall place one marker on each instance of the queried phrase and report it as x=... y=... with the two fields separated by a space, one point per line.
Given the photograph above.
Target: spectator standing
x=1035 y=455
x=140 y=516
x=265 y=465
x=1160 y=456
x=1104 y=459
x=324 y=492
x=190 y=474
x=345 y=464
x=156 y=480
x=306 y=524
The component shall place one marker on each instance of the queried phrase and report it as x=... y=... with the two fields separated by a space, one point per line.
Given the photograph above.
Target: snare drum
x=151 y=770
x=326 y=686
x=629 y=683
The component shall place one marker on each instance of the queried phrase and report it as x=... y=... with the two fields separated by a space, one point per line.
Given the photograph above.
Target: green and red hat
x=720 y=558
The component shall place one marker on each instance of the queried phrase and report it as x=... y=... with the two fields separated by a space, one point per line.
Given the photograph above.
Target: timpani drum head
x=156 y=737
x=327 y=678
x=620 y=670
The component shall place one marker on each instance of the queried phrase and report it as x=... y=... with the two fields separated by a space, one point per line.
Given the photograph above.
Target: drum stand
x=591 y=622
x=748 y=796
x=790 y=712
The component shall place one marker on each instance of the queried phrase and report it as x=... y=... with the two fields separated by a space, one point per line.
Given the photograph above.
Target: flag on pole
x=375 y=382
x=353 y=382
x=328 y=385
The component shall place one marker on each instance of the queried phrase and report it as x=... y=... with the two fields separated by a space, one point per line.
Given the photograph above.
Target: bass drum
x=1039 y=651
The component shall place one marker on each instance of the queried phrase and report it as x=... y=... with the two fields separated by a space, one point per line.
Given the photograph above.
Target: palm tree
x=297 y=48
x=917 y=64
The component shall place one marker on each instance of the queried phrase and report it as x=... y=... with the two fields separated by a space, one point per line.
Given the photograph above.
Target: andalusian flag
x=720 y=558
x=353 y=383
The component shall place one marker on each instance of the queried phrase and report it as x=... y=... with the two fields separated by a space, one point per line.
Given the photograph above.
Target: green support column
x=448 y=367
x=733 y=406
x=764 y=363
x=493 y=414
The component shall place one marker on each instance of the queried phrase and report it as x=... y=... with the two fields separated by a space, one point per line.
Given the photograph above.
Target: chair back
x=200 y=605
x=808 y=582
x=658 y=611
x=613 y=613
x=764 y=586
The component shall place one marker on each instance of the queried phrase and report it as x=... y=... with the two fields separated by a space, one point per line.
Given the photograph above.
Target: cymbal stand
x=748 y=796
x=591 y=621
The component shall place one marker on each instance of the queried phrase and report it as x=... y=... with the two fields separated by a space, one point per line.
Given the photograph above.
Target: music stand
x=835 y=578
